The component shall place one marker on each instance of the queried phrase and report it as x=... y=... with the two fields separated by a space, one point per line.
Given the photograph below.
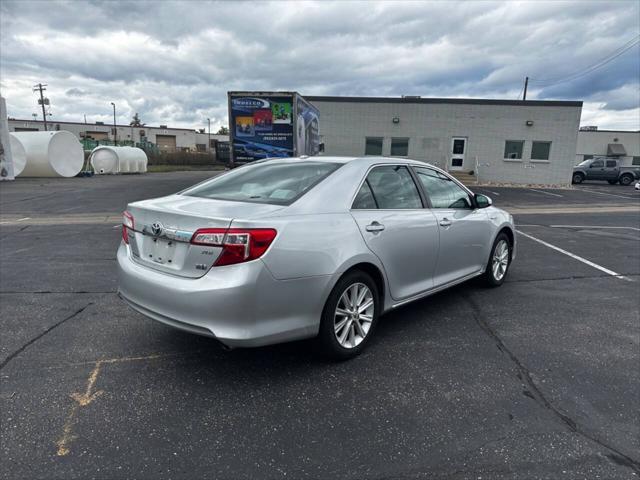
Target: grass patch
x=183 y=168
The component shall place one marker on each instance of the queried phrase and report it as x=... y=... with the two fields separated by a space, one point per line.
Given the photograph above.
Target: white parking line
x=604 y=193
x=576 y=257
x=592 y=226
x=546 y=193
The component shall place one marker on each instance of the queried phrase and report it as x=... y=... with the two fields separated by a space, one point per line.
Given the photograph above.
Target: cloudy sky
x=173 y=62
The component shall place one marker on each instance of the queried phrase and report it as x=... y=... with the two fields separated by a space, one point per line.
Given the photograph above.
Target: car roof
x=371 y=160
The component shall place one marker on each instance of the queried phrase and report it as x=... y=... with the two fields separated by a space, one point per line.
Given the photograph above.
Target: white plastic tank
x=106 y=159
x=51 y=154
x=18 y=154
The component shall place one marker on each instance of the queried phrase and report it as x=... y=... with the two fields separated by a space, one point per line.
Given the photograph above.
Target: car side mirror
x=482 y=201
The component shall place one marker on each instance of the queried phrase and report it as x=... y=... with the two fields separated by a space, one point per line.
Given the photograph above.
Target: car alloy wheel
x=500 y=260
x=354 y=315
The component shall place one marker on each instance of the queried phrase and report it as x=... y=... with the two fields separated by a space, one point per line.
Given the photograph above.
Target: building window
x=540 y=150
x=201 y=147
x=399 y=147
x=635 y=161
x=458 y=146
x=513 y=149
x=587 y=157
x=373 y=146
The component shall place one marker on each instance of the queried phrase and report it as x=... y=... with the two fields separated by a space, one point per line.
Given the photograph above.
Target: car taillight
x=238 y=244
x=127 y=222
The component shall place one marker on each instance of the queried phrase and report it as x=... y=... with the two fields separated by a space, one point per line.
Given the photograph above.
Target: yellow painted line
x=115 y=219
x=81 y=400
x=86 y=398
x=70 y=219
x=587 y=209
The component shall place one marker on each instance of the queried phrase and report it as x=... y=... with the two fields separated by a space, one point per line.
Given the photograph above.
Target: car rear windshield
x=276 y=183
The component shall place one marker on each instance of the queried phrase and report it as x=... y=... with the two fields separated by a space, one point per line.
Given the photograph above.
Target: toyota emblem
x=157 y=229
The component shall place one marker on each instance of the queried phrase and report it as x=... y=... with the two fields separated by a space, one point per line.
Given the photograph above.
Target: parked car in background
x=605 y=169
x=285 y=249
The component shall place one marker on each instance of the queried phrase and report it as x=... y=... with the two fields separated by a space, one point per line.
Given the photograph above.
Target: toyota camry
x=286 y=249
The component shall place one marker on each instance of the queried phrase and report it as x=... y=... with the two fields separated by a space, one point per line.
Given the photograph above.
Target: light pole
x=115 y=129
x=209 y=134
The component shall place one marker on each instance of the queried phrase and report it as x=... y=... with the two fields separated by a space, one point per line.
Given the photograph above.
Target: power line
x=615 y=54
x=547 y=82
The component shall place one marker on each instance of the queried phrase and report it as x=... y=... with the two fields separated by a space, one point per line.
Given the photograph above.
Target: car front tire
x=577 y=178
x=499 y=261
x=349 y=317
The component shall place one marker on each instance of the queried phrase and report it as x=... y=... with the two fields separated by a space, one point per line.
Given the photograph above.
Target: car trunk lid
x=163 y=229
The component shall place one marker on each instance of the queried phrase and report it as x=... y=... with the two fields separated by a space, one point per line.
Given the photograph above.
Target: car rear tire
x=612 y=182
x=499 y=261
x=349 y=316
x=626 y=179
x=577 y=178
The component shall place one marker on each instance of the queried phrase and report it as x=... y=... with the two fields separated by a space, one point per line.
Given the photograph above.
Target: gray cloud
x=174 y=61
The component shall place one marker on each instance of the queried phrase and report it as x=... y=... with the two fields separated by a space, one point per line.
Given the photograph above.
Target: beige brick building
x=497 y=140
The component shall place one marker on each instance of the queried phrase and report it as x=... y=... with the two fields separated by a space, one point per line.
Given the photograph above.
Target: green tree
x=136 y=122
x=223 y=131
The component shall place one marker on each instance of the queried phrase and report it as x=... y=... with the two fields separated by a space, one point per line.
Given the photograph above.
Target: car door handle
x=374 y=227
x=445 y=222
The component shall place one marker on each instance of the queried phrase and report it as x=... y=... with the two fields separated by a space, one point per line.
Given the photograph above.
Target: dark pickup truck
x=606 y=169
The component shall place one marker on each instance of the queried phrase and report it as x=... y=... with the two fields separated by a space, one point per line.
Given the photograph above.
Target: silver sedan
x=287 y=249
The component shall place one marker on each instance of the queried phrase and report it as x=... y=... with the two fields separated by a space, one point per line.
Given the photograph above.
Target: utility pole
x=115 y=129
x=526 y=84
x=42 y=101
x=209 y=134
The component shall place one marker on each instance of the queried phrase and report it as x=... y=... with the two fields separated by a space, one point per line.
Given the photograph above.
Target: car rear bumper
x=240 y=305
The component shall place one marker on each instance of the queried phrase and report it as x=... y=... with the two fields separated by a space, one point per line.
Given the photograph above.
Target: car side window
x=597 y=164
x=364 y=200
x=611 y=163
x=393 y=188
x=442 y=191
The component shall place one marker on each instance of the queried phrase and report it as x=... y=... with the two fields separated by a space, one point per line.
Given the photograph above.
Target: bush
x=184 y=159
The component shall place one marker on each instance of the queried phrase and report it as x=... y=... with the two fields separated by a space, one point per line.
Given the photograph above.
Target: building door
x=166 y=143
x=456 y=155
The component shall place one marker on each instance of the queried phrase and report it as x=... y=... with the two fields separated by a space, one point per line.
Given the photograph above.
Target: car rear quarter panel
x=311 y=245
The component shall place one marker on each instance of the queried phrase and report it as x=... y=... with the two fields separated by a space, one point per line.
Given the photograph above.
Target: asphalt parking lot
x=537 y=379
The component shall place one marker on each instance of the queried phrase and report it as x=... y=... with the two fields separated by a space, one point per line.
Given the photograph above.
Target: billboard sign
x=262 y=127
